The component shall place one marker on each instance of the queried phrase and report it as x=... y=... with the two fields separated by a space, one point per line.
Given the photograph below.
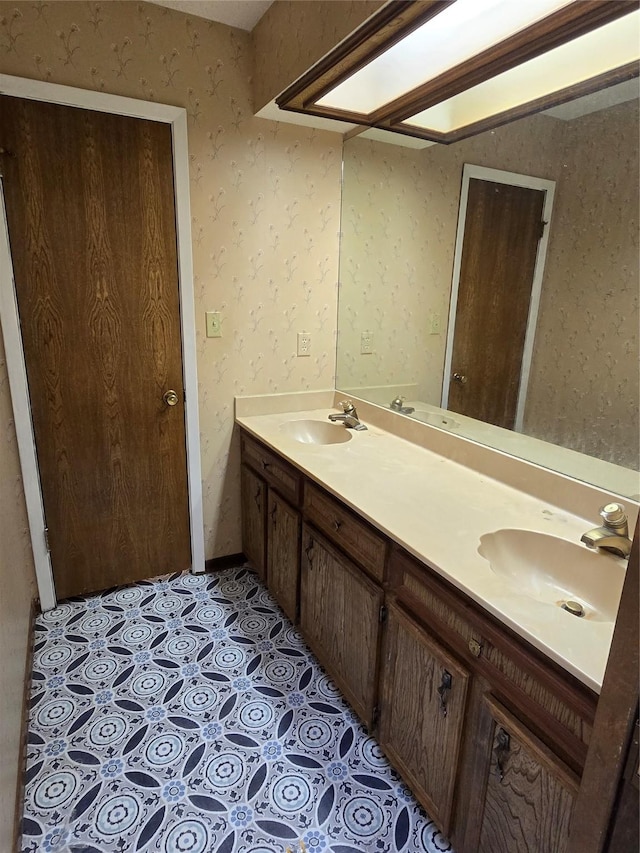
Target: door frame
x=499 y=176
x=176 y=117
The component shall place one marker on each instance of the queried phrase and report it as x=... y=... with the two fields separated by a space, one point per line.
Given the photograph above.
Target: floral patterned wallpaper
x=400 y=209
x=265 y=202
x=585 y=380
x=396 y=250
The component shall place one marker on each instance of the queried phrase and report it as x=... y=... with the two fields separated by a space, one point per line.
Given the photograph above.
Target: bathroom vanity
x=481 y=695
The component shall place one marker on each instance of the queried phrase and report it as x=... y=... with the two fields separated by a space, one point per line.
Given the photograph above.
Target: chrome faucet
x=613 y=535
x=349 y=417
x=396 y=405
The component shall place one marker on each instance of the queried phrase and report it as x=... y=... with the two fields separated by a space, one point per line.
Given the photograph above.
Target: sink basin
x=316 y=432
x=554 y=571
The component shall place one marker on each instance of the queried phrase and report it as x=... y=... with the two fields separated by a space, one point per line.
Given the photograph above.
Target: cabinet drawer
x=346 y=530
x=281 y=476
x=564 y=711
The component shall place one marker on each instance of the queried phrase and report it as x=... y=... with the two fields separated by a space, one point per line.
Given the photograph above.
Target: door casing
x=9 y=320
x=499 y=176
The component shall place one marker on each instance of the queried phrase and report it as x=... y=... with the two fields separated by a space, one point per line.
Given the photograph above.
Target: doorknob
x=459 y=377
x=170 y=398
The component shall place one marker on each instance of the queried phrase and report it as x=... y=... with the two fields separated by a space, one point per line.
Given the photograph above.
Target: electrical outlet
x=366 y=343
x=304 y=343
x=436 y=324
x=214 y=324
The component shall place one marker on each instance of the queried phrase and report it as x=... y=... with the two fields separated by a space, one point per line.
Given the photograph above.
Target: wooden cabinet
x=254 y=505
x=338 y=603
x=283 y=553
x=523 y=713
x=340 y=611
x=422 y=710
x=489 y=733
x=524 y=792
x=551 y=700
x=271 y=493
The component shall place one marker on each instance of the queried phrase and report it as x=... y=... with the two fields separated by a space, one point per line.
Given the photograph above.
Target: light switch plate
x=214 y=324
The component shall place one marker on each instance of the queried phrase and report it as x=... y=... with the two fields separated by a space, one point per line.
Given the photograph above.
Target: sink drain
x=573 y=607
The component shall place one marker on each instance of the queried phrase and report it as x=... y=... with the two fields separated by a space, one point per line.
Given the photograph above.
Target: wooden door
x=283 y=553
x=254 y=506
x=527 y=793
x=503 y=226
x=91 y=221
x=340 y=617
x=423 y=697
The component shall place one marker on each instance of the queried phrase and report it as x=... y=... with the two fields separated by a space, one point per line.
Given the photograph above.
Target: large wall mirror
x=402 y=294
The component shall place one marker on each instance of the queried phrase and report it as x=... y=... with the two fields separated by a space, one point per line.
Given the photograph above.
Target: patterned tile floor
x=186 y=715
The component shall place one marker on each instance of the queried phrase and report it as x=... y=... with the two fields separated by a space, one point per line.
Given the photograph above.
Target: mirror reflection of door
x=497 y=276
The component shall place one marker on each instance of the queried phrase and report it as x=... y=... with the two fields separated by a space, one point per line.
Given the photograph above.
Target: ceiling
x=243 y=14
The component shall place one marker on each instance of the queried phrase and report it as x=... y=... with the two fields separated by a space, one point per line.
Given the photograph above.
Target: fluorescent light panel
x=609 y=47
x=451 y=37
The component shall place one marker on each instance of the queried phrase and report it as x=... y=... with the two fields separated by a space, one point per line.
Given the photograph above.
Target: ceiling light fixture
x=445 y=69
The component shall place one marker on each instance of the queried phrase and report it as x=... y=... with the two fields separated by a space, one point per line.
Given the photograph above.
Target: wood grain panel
x=545 y=695
x=278 y=473
x=283 y=553
x=528 y=800
x=498 y=659
x=92 y=231
x=501 y=234
x=347 y=531
x=160 y=350
x=254 y=507
x=421 y=737
x=339 y=616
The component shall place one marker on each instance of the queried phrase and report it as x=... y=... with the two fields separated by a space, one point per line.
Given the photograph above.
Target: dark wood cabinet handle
x=274 y=512
x=501 y=750
x=337 y=524
x=256 y=498
x=446 y=683
x=265 y=464
x=309 y=551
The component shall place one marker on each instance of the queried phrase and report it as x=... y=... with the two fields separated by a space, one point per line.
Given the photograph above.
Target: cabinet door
x=254 y=505
x=283 y=553
x=340 y=617
x=528 y=791
x=422 y=708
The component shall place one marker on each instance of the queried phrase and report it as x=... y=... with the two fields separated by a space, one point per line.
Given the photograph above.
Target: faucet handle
x=347 y=407
x=613 y=515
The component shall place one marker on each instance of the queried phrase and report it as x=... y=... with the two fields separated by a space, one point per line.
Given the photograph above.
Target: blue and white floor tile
x=186 y=715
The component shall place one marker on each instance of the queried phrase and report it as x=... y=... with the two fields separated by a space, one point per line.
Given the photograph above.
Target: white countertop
x=437 y=510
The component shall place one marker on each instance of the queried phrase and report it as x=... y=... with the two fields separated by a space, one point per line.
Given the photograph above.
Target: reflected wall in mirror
x=399 y=221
